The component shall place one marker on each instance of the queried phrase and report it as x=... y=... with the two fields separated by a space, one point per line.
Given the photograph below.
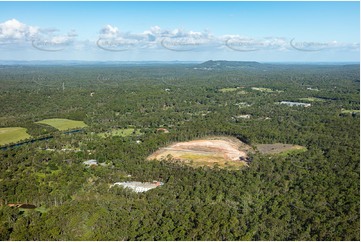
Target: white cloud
x=109 y=31
x=112 y=39
x=15 y=31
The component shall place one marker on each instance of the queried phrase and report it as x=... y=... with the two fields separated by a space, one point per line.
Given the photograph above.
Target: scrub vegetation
x=305 y=185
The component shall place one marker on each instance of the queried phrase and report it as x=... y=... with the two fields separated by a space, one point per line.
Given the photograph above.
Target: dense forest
x=313 y=195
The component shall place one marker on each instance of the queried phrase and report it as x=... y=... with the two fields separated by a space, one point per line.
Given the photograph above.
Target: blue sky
x=187 y=31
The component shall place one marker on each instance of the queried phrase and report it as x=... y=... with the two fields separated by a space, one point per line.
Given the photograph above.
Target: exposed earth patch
x=225 y=152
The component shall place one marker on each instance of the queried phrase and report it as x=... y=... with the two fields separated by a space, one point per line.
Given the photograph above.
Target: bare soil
x=223 y=151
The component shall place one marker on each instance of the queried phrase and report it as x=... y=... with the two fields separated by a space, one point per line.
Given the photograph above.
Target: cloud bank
x=14 y=33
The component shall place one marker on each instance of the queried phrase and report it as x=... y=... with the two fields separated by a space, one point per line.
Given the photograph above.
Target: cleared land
x=120 y=132
x=63 y=124
x=350 y=111
x=12 y=135
x=225 y=152
x=312 y=99
x=278 y=148
x=233 y=89
x=229 y=89
x=264 y=89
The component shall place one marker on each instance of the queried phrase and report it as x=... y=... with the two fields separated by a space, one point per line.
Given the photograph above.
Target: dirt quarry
x=226 y=152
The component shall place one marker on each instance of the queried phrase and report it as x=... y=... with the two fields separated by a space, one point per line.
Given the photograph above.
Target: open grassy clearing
x=233 y=89
x=279 y=149
x=312 y=99
x=222 y=152
x=229 y=89
x=63 y=124
x=264 y=89
x=350 y=111
x=12 y=135
x=121 y=132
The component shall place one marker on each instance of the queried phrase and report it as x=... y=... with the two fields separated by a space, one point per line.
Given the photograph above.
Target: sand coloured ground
x=224 y=152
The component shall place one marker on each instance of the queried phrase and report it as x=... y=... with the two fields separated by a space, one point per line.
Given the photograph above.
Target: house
x=90 y=163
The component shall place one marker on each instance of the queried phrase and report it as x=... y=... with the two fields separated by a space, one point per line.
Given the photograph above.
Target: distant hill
x=220 y=64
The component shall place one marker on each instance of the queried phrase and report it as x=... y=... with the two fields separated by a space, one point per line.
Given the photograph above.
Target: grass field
x=120 y=132
x=63 y=124
x=12 y=135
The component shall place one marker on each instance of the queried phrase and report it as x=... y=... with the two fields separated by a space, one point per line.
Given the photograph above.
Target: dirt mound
x=223 y=151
